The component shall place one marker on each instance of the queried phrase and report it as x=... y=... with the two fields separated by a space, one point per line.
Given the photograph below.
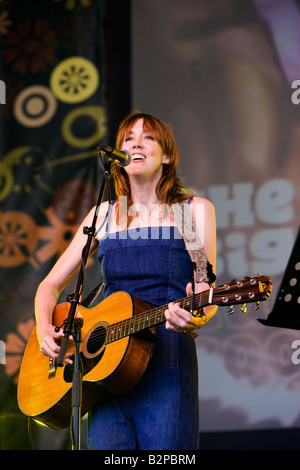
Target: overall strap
x=109 y=216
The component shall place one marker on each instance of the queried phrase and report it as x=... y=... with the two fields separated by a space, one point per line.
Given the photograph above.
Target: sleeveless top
x=153 y=264
x=150 y=263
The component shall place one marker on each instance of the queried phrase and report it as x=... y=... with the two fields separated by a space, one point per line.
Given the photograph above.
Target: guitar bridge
x=52 y=368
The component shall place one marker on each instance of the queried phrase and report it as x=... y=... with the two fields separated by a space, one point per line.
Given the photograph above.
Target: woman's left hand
x=178 y=319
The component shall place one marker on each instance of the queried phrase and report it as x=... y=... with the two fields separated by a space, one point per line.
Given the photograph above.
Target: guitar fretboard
x=151 y=318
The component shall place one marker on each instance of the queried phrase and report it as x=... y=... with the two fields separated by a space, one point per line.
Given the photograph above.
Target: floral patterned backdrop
x=52 y=119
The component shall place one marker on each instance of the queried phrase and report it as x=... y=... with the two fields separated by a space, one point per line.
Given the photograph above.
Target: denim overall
x=161 y=411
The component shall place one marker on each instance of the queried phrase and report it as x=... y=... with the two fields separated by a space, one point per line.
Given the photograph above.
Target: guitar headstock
x=252 y=289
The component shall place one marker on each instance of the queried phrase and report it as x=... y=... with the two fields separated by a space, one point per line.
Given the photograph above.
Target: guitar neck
x=153 y=317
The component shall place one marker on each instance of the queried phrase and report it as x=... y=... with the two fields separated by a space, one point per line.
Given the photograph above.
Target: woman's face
x=147 y=154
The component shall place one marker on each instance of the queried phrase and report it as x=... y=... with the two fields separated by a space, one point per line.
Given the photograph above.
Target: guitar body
x=116 y=346
x=116 y=367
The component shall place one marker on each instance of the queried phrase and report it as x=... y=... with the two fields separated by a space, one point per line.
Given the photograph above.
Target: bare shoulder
x=205 y=220
x=204 y=216
x=103 y=208
x=206 y=204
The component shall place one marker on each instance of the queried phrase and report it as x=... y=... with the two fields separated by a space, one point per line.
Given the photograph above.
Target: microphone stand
x=72 y=326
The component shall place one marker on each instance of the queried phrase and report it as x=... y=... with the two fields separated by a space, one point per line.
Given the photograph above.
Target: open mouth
x=138 y=157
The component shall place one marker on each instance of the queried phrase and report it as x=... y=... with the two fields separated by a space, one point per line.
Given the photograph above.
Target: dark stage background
x=224 y=74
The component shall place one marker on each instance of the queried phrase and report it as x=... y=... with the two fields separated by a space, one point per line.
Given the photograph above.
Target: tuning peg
x=230 y=310
x=257 y=305
x=243 y=309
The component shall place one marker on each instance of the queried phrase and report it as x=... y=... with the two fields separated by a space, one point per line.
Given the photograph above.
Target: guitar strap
x=203 y=271
x=92 y=296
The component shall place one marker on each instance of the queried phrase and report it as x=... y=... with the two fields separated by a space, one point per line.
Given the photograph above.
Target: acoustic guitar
x=118 y=336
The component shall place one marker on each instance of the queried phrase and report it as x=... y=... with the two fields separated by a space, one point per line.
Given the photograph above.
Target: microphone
x=121 y=157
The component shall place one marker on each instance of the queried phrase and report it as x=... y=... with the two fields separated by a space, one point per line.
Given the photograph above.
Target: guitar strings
x=141 y=321
x=144 y=320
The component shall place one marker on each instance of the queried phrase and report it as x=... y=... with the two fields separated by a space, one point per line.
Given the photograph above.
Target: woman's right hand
x=49 y=341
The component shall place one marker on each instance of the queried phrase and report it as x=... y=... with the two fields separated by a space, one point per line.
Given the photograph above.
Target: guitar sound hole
x=94 y=341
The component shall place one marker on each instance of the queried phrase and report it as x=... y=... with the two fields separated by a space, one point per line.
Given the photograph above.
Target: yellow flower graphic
x=74 y=80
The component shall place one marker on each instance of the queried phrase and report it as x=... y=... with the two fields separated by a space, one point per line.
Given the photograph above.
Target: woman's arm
x=204 y=217
x=58 y=278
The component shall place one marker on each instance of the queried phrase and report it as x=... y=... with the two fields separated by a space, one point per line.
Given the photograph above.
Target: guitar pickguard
x=86 y=364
